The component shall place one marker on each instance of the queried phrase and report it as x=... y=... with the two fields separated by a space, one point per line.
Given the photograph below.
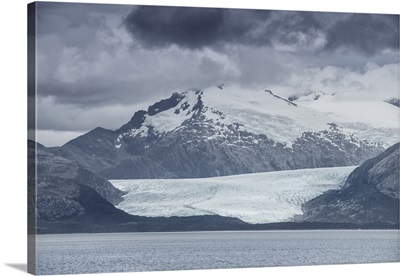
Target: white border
x=13 y=131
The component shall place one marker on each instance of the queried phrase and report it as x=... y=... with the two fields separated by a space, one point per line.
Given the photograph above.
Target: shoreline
x=225 y=231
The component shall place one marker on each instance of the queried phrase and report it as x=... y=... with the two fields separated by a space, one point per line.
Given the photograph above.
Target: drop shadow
x=20 y=267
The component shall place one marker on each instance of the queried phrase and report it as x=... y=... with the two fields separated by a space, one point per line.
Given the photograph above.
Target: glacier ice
x=253 y=198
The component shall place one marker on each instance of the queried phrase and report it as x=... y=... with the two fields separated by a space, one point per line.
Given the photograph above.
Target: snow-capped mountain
x=227 y=130
x=263 y=112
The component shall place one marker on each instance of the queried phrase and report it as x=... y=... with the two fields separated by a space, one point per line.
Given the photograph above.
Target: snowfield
x=265 y=112
x=253 y=198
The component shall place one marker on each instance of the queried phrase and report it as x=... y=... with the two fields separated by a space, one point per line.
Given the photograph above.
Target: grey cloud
x=89 y=92
x=368 y=33
x=54 y=116
x=291 y=27
x=196 y=28
x=78 y=22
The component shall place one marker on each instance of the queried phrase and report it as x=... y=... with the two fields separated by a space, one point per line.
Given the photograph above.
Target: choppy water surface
x=122 y=252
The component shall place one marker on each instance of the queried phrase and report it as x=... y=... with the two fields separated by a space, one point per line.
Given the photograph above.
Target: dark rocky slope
x=59 y=199
x=62 y=190
x=95 y=150
x=393 y=101
x=50 y=165
x=136 y=167
x=370 y=195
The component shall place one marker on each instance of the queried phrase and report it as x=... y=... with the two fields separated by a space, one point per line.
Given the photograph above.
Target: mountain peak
x=100 y=129
x=165 y=104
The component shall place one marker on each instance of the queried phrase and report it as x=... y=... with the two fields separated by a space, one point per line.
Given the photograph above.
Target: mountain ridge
x=214 y=132
x=219 y=131
x=370 y=194
x=49 y=165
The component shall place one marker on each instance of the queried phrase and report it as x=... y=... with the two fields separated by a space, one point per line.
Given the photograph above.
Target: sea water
x=123 y=252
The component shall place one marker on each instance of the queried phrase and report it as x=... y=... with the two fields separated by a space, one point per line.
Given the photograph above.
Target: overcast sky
x=98 y=64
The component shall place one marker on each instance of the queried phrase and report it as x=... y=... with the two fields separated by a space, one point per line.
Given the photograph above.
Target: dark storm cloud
x=368 y=33
x=176 y=25
x=196 y=28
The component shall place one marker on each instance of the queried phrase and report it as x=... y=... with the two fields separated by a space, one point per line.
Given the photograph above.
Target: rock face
x=136 y=167
x=60 y=199
x=187 y=136
x=394 y=101
x=69 y=196
x=51 y=166
x=95 y=150
x=370 y=195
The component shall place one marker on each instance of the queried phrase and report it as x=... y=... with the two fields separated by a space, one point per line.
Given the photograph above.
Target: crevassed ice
x=254 y=198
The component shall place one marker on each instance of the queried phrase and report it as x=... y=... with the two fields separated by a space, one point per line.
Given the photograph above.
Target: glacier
x=254 y=198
